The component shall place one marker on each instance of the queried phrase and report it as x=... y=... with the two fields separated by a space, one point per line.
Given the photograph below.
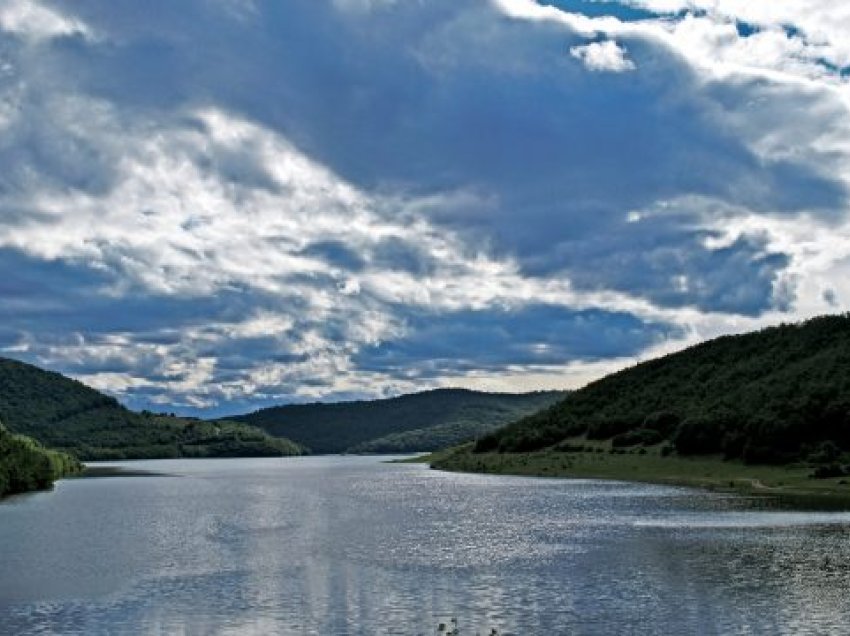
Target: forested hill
x=65 y=414
x=772 y=396
x=416 y=422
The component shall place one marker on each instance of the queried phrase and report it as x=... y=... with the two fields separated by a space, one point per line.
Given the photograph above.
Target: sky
x=210 y=206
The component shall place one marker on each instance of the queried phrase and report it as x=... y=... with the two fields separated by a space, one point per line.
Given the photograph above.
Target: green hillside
x=416 y=422
x=64 y=414
x=25 y=465
x=774 y=396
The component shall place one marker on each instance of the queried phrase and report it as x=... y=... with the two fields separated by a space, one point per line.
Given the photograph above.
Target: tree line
x=26 y=465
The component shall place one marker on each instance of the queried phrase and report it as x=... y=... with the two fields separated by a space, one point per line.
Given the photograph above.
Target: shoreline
x=97 y=472
x=789 y=485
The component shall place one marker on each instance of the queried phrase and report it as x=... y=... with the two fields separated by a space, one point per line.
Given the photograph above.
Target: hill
x=67 y=415
x=774 y=396
x=409 y=423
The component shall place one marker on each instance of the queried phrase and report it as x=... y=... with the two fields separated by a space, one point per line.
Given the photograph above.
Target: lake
x=352 y=545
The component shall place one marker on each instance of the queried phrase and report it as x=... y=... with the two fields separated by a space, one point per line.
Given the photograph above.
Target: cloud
x=32 y=20
x=810 y=32
x=603 y=56
x=212 y=205
x=677 y=267
x=454 y=342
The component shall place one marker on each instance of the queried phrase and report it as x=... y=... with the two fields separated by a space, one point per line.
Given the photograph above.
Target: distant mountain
x=417 y=422
x=65 y=414
x=774 y=396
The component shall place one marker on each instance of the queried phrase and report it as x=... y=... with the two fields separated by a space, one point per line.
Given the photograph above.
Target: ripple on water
x=353 y=546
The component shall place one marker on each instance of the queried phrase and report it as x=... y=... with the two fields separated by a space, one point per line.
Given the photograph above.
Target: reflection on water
x=354 y=546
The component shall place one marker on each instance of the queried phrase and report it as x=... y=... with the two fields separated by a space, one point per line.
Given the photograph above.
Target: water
x=356 y=546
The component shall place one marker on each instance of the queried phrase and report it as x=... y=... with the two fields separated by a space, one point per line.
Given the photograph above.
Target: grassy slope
x=420 y=421
x=65 y=414
x=791 y=483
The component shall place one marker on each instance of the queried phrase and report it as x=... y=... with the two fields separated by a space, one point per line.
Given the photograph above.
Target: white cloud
x=793 y=40
x=32 y=20
x=603 y=56
x=823 y=24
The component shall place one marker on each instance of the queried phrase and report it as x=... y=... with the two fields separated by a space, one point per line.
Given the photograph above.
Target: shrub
x=825 y=452
x=664 y=422
x=642 y=436
x=828 y=471
x=698 y=436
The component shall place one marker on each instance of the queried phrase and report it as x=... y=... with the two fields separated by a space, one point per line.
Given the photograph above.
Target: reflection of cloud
x=277 y=216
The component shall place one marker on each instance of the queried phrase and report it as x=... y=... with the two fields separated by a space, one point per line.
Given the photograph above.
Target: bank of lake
x=794 y=484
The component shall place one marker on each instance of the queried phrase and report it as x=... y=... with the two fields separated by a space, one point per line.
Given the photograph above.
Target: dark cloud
x=459 y=342
x=336 y=254
x=393 y=253
x=54 y=296
x=671 y=264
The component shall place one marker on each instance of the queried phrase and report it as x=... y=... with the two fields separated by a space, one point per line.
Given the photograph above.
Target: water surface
x=348 y=545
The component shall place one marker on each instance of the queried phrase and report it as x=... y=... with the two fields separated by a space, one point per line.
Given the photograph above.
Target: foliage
x=25 y=465
x=65 y=414
x=772 y=396
x=641 y=436
x=417 y=422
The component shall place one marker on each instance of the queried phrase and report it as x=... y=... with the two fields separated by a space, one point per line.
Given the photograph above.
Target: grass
x=792 y=484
